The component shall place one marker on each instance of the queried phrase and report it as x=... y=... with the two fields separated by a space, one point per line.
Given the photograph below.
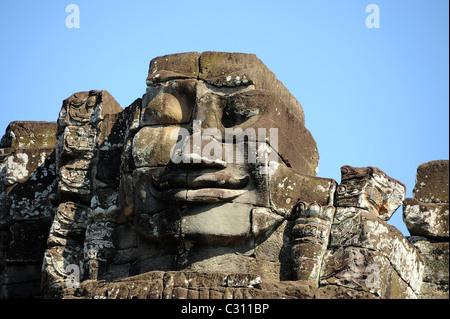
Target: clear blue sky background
x=371 y=97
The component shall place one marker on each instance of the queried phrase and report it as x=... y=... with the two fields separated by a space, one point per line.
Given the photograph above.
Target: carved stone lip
x=199 y=184
x=204 y=195
x=199 y=179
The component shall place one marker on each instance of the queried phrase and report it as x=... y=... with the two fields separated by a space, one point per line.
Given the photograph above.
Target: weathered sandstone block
x=432 y=182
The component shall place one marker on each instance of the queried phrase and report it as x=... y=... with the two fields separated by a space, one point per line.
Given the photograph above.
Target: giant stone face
x=211 y=171
x=216 y=137
x=204 y=188
x=206 y=149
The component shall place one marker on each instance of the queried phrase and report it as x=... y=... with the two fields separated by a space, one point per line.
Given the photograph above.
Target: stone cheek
x=153 y=146
x=141 y=198
x=169 y=103
x=263 y=220
x=159 y=227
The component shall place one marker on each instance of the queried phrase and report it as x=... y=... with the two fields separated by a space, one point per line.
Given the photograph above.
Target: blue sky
x=372 y=97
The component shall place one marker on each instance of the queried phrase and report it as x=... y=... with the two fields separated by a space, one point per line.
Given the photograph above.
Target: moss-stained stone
x=432 y=182
x=288 y=187
x=173 y=66
x=436 y=275
x=28 y=134
x=426 y=219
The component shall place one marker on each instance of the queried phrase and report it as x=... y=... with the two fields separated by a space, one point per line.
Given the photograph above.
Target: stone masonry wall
x=427 y=218
x=27 y=198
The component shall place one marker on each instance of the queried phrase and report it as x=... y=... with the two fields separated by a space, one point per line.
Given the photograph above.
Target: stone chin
x=223 y=224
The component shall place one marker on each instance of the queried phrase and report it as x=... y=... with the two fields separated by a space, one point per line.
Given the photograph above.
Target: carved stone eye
x=91 y=101
x=237 y=113
x=342 y=189
x=344 y=170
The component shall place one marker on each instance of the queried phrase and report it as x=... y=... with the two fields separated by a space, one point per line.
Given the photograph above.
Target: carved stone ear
x=310 y=237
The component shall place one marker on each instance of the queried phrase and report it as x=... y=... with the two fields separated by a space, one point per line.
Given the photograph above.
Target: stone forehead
x=173 y=66
x=216 y=68
x=221 y=69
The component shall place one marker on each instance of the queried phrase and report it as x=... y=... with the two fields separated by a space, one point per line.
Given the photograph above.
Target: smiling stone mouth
x=204 y=195
x=199 y=186
x=199 y=179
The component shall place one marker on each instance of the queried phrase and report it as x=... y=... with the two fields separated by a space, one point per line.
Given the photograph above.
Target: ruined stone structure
x=134 y=203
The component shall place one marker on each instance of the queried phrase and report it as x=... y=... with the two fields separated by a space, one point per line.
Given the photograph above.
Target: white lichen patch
x=255 y=282
x=429 y=220
x=401 y=254
x=16 y=168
